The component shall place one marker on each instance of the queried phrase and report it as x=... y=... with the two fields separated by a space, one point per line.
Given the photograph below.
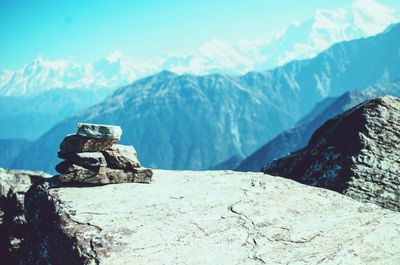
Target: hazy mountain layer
x=186 y=121
x=300 y=40
x=181 y=121
x=30 y=117
x=10 y=149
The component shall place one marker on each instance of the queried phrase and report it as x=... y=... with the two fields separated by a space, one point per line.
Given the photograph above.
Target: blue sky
x=90 y=29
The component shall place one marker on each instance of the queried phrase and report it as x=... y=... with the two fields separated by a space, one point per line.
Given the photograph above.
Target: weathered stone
x=19 y=180
x=13 y=225
x=356 y=153
x=99 y=131
x=76 y=144
x=210 y=217
x=122 y=157
x=87 y=159
x=66 y=166
x=144 y=173
x=84 y=176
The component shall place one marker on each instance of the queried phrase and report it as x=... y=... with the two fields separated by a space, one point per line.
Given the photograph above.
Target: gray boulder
x=99 y=131
x=356 y=153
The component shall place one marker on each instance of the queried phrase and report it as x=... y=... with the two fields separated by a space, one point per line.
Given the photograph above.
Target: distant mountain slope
x=10 y=149
x=227 y=164
x=298 y=137
x=300 y=40
x=30 y=117
x=180 y=121
x=353 y=64
x=186 y=121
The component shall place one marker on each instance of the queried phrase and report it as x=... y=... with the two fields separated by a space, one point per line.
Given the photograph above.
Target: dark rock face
x=13 y=224
x=298 y=137
x=356 y=153
x=52 y=230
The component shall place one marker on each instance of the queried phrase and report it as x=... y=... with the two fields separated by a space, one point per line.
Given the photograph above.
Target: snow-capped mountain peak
x=300 y=40
x=371 y=16
x=305 y=40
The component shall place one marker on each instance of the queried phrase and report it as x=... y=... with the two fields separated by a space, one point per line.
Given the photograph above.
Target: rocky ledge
x=210 y=217
x=13 y=225
x=357 y=153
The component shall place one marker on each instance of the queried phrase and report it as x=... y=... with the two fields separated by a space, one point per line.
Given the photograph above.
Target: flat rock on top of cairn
x=99 y=131
x=73 y=143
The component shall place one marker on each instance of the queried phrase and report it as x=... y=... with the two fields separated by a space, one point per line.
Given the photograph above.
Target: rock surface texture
x=122 y=156
x=91 y=158
x=100 y=131
x=13 y=225
x=209 y=217
x=356 y=153
x=76 y=144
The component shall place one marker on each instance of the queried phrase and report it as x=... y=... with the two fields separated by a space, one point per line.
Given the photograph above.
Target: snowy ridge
x=298 y=41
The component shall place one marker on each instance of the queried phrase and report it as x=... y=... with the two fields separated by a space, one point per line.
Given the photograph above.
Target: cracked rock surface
x=208 y=217
x=356 y=153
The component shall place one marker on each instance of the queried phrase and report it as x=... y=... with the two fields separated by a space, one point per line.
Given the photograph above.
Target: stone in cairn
x=122 y=157
x=92 y=157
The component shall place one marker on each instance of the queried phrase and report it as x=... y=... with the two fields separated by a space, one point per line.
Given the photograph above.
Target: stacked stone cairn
x=92 y=157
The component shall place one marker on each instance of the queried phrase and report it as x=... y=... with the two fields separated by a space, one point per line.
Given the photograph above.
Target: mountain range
x=25 y=93
x=29 y=117
x=300 y=40
x=187 y=121
x=180 y=121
